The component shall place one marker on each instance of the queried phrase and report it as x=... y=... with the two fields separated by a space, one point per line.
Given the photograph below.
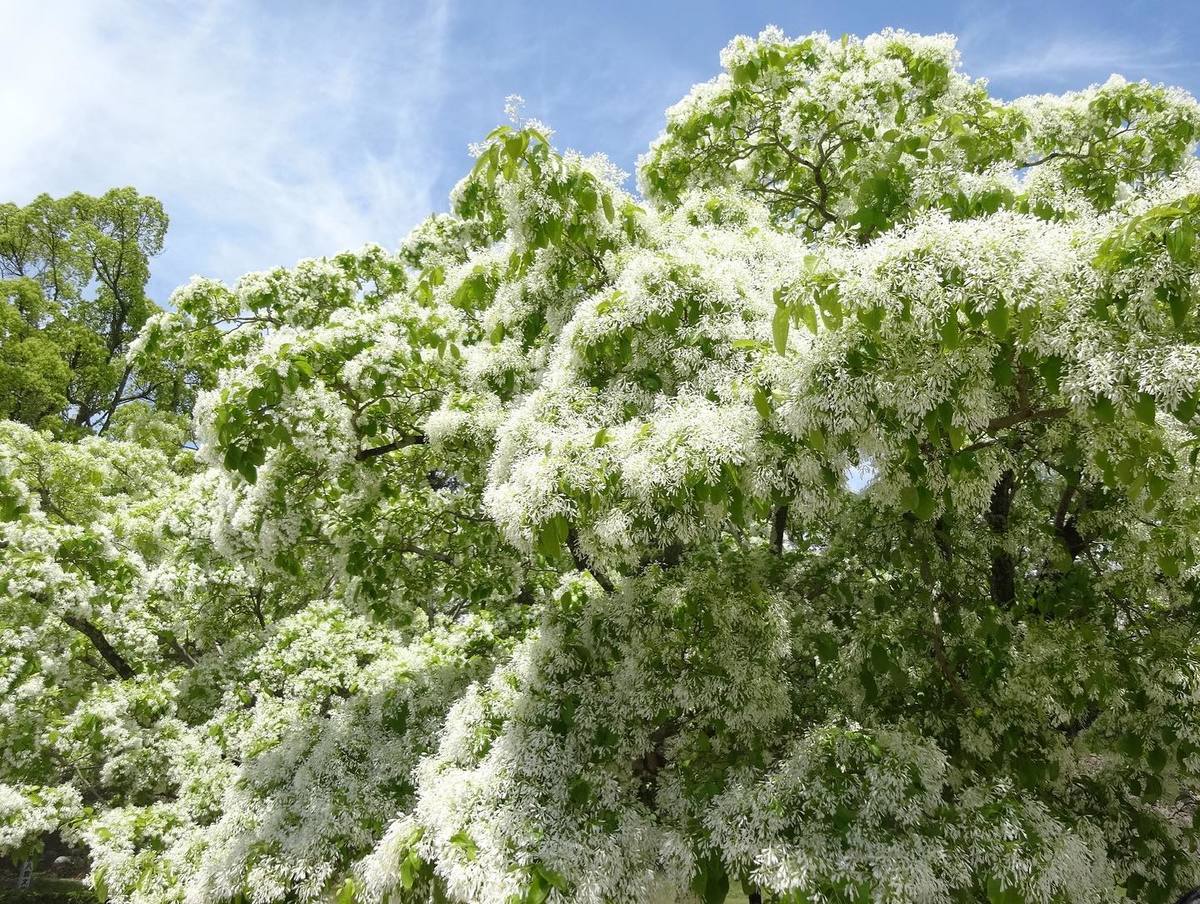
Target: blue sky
x=275 y=131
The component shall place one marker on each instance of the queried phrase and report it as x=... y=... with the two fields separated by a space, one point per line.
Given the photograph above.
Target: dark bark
x=582 y=563
x=115 y=660
x=177 y=650
x=946 y=598
x=116 y=399
x=779 y=529
x=1065 y=524
x=418 y=439
x=650 y=763
x=426 y=553
x=1004 y=570
x=1021 y=417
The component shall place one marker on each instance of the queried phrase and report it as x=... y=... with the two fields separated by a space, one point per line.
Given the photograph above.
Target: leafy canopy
x=73 y=275
x=821 y=520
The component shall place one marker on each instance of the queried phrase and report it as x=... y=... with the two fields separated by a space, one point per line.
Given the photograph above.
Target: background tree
x=73 y=274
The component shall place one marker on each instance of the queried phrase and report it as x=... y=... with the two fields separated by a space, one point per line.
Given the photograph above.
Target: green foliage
x=73 y=275
x=822 y=522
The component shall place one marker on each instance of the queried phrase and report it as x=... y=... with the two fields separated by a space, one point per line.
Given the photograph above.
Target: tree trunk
x=1004 y=569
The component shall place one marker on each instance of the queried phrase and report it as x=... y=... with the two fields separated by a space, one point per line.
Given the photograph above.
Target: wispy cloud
x=294 y=134
x=1068 y=56
x=1024 y=52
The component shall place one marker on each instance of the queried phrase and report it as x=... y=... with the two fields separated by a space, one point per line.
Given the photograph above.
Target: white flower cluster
x=28 y=813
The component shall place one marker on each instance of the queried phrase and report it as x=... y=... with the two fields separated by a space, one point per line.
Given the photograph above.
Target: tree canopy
x=821 y=519
x=73 y=274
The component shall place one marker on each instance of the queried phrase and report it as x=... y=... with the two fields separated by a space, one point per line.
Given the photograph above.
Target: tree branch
x=582 y=563
x=103 y=647
x=1004 y=570
x=943 y=663
x=778 y=529
x=417 y=439
x=427 y=553
x=1021 y=417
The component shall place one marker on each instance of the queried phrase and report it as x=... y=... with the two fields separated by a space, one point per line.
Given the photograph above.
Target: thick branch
x=779 y=529
x=582 y=563
x=1020 y=417
x=427 y=553
x=938 y=639
x=103 y=647
x=647 y=767
x=417 y=439
x=1004 y=569
x=116 y=399
x=172 y=642
x=1066 y=524
x=943 y=662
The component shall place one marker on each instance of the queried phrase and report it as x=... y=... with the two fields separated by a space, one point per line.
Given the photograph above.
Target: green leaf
x=1143 y=407
x=1180 y=303
x=762 y=403
x=603 y=438
x=998 y=320
x=1104 y=410
x=1002 y=370
x=554 y=879
x=1130 y=744
x=347 y=894
x=779 y=328
x=950 y=332
x=1186 y=409
x=1180 y=241
x=410 y=869
x=1157 y=759
x=871 y=318
x=1168 y=565
x=711 y=883
x=919 y=500
x=926 y=503
x=880 y=658
x=538 y=889
x=1051 y=369
x=606 y=202
x=807 y=315
x=829 y=300
x=407 y=875
x=465 y=843
x=1153 y=789
x=552 y=535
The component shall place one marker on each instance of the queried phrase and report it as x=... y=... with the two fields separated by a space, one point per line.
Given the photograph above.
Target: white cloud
x=1080 y=54
x=271 y=132
x=1059 y=52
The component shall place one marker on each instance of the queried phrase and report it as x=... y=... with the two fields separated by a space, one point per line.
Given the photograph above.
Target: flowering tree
x=820 y=521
